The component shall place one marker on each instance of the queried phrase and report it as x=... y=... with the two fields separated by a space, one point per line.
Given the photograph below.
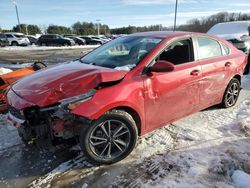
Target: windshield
x=123 y=53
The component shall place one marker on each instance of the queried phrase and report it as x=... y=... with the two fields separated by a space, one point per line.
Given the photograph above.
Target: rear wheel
x=14 y=43
x=231 y=94
x=109 y=139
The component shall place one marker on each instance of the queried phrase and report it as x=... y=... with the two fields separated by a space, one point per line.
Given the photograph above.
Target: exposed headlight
x=74 y=102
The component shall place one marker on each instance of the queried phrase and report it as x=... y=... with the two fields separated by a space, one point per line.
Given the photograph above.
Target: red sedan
x=124 y=89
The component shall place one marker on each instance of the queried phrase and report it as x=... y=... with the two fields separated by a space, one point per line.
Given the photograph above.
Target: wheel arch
x=134 y=115
x=238 y=77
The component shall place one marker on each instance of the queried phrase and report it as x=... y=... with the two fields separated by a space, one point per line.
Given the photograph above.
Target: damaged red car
x=124 y=89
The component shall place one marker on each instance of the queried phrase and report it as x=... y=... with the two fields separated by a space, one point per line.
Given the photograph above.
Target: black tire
x=246 y=71
x=116 y=121
x=231 y=94
x=14 y=43
x=25 y=135
x=65 y=44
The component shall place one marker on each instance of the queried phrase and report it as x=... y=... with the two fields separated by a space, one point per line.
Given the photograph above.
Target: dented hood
x=66 y=80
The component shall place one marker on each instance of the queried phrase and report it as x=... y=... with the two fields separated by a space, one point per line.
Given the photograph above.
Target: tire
x=246 y=71
x=231 y=94
x=65 y=44
x=14 y=43
x=25 y=135
x=123 y=131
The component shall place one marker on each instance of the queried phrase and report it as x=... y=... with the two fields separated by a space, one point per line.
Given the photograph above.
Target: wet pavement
x=21 y=165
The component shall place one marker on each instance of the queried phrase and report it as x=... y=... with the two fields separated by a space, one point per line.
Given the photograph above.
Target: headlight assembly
x=74 y=102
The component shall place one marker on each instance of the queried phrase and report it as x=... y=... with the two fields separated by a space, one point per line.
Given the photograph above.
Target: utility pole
x=15 y=4
x=26 y=27
x=98 y=27
x=175 y=15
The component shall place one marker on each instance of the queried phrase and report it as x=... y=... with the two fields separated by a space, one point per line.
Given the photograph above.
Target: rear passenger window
x=208 y=48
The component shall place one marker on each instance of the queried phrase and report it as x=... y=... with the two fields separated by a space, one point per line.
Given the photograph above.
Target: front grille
x=15 y=112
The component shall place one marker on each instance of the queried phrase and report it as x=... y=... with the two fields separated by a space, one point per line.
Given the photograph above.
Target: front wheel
x=231 y=94
x=109 y=139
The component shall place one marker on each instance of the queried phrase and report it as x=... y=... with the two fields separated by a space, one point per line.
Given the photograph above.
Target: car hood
x=48 y=86
x=231 y=36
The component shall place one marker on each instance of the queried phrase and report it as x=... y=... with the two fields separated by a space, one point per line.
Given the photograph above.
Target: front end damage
x=46 y=126
x=41 y=105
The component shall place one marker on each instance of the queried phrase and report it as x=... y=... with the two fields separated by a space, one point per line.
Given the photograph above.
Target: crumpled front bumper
x=16 y=104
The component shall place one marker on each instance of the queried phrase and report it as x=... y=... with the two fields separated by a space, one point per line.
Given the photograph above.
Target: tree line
x=204 y=24
x=89 y=28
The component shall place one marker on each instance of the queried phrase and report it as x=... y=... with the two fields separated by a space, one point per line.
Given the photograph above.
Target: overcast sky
x=115 y=13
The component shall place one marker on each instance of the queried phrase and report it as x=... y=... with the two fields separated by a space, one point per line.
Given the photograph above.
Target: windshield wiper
x=82 y=61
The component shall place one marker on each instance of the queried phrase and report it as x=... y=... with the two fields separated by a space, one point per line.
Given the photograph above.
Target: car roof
x=14 y=33
x=162 y=34
x=234 y=22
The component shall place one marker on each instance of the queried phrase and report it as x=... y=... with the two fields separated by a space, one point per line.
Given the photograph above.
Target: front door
x=172 y=95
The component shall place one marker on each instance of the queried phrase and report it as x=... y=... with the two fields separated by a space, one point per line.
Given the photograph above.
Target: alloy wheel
x=109 y=139
x=232 y=94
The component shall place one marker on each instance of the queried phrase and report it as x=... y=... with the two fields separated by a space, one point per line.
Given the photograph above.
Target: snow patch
x=4 y=70
x=241 y=179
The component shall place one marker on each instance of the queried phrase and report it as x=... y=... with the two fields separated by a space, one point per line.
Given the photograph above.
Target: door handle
x=195 y=73
x=228 y=64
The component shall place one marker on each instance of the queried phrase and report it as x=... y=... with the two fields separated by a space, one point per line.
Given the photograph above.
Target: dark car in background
x=77 y=40
x=3 y=40
x=54 y=40
x=91 y=41
x=32 y=39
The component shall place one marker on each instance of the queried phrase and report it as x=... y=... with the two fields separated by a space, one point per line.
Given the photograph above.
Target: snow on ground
x=207 y=149
x=34 y=47
x=9 y=136
x=241 y=179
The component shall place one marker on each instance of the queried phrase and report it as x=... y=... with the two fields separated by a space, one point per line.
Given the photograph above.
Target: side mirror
x=162 y=66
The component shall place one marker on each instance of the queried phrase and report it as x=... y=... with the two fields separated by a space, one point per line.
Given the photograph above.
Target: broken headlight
x=74 y=102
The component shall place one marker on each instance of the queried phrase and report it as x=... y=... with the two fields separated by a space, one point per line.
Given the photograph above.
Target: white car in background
x=236 y=32
x=17 y=39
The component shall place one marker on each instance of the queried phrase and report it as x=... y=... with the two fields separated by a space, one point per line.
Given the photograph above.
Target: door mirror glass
x=162 y=66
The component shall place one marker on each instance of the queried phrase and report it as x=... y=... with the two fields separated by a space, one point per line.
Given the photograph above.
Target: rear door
x=216 y=70
x=172 y=95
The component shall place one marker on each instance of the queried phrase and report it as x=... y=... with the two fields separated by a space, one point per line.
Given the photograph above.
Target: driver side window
x=178 y=52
